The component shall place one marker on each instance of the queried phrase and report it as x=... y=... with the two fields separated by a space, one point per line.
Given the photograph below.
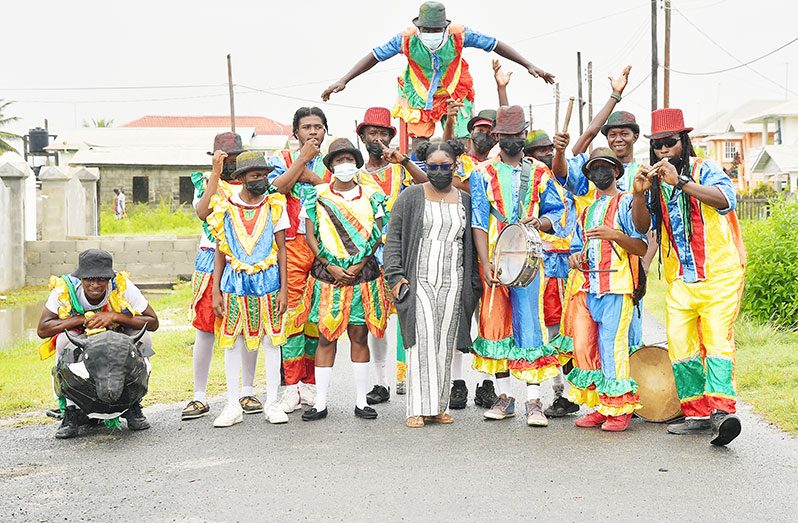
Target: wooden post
x=230 y=89
x=666 y=74
x=654 y=62
x=579 y=80
x=557 y=107
x=531 y=120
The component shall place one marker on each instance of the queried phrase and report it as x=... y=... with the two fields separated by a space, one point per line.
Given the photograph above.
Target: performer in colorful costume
x=250 y=293
x=201 y=312
x=94 y=298
x=344 y=228
x=436 y=70
x=691 y=203
x=603 y=303
x=388 y=172
x=512 y=336
x=294 y=173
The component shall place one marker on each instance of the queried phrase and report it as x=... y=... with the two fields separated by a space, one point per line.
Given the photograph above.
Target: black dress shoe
x=690 y=426
x=135 y=418
x=378 y=394
x=561 y=407
x=69 y=425
x=312 y=414
x=366 y=413
x=485 y=395
x=459 y=395
x=725 y=427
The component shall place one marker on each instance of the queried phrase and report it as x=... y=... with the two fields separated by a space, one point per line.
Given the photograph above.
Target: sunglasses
x=664 y=142
x=439 y=167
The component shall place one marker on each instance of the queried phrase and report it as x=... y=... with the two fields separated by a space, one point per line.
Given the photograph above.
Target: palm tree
x=6 y=147
x=99 y=122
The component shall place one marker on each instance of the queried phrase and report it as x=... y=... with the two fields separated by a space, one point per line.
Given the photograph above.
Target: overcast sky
x=297 y=48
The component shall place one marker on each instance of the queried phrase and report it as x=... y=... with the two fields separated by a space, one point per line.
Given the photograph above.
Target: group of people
x=302 y=247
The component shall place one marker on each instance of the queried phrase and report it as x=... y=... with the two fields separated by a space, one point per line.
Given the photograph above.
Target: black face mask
x=374 y=149
x=227 y=171
x=547 y=160
x=483 y=143
x=258 y=187
x=511 y=145
x=677 y=163
x=602 y=176
x=440 y=179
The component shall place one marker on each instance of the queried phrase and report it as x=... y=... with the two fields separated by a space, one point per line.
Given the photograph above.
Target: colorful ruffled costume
x=513 y=337
x=601 y=310
x=348 y=233
x=251 y=277
x=299 y=350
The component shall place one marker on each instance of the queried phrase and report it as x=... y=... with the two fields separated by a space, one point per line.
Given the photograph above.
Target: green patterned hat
x=621 y=119
x=537 y=138
x=431 y=15
x=251 y=161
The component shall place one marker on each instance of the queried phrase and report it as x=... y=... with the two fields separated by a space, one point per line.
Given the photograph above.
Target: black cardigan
x=405 y=228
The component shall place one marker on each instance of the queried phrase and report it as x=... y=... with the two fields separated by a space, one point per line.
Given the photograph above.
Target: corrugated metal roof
x=173 y=156
x=734 y=120
x=788 y=108
x=74 y=139
x=261 y=124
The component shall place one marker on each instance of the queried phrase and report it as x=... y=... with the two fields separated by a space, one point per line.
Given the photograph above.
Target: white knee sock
x=553 y=330
x=203 y=354
x=503 y=386
x=232 y=370
x=323 y=380
x=378 y=347
x=457 y=365
x=249 y=364
x=559 y=384
x=532 y=391
x=273 y=360
x=361 y=373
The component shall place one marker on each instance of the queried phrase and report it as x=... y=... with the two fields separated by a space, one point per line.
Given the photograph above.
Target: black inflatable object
x=106 y=373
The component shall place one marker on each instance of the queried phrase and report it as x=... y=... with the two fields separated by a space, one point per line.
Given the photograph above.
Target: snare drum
x=518 y=255
x=651 y=368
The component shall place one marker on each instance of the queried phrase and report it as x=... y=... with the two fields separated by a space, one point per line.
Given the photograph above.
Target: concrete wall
x=15 y=207
x=164 y=181
x=146 y=258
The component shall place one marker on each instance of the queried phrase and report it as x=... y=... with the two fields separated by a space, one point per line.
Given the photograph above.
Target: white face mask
x=345 y=171
x=432 y=40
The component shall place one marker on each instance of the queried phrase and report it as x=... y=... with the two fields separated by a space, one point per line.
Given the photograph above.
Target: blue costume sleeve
x=713 y=176
x=388 y=50
x=577 y=182
x=552 y=206
x=479 y=40
x=480 y=206
x=278 y=162
x=625 y=218
x=577 y=240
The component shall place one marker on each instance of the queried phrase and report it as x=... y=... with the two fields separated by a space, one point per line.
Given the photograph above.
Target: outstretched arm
x=593 y=128
x=502 y=79
x=508 y=52
x=204 y=204
x=363 y=65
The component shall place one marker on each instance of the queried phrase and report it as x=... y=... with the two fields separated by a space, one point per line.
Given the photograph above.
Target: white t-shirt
x=132 y=294
x=121 y=201
x=349 y=195
x=283 y=222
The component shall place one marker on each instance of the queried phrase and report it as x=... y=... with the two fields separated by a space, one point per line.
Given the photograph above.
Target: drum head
x=512 y=253
x=651 y=368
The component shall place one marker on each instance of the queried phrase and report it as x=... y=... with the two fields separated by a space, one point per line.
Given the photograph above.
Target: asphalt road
x=344 y=468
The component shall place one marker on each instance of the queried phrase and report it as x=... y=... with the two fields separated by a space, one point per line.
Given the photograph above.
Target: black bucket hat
x=95 y=264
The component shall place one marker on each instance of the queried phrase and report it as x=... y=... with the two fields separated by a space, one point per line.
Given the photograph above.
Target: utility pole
x=557 y=107
x=666 y=75
x=531 y=120
x=654 y=62
x=590 y=91
x=579 y=92
x=230 y=89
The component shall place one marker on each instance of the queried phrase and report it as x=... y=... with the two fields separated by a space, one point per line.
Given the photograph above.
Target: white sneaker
x=275 y=414
x=307 y=393
x=231 y=414
x=289 y=400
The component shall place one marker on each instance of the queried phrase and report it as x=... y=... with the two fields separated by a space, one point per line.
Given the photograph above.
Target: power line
x=112 y=88
x=290 y=97
x=176 y=98
x=568 y=28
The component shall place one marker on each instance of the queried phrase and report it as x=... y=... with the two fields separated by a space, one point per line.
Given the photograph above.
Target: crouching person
x=91 y=300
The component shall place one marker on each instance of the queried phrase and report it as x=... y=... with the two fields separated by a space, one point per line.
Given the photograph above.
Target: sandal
x=442 y=418
x=415 y=422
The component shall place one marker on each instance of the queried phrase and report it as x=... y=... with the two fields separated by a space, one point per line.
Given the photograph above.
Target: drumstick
x=568 y=114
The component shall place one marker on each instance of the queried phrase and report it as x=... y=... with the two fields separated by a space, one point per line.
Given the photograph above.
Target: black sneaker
x=312 y=414
x=485 y=395
x=725 y=427
x=690 y=426
x=54 y=413
x=378 y=394
x=561 y=407
x=69 y=425
x=366 y=413
x=135 y=418
x=459 y=395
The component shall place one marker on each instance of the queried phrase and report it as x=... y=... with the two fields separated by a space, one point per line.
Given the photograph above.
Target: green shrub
x=153 y=220
x=771 y=292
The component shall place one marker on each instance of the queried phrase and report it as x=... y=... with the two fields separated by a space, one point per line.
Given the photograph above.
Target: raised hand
x=218 y=162
x=502 y=78
x=337 y=87
x=537 y=72
x=619 y=84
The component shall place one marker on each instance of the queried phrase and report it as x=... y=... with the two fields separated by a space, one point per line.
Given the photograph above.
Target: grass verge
x=150 y=220
x=23 y=296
